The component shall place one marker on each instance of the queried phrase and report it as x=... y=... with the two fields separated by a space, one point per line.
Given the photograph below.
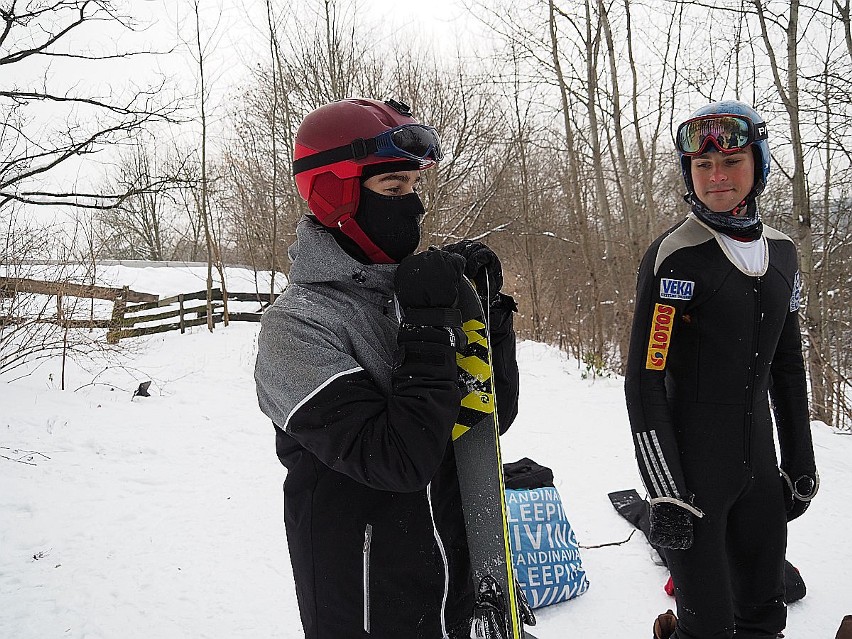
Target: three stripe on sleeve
x=655 y=466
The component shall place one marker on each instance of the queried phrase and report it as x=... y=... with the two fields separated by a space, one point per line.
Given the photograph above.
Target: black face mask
x=392 y=222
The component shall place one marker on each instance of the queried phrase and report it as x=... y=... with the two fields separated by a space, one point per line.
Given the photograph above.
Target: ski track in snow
x=161 y=517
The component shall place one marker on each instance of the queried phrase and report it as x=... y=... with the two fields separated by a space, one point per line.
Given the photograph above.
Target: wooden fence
x=129 y=314
x=9 y=286
x=125 y=317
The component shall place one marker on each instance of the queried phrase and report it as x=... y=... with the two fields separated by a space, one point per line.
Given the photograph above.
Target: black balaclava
x=392 y=222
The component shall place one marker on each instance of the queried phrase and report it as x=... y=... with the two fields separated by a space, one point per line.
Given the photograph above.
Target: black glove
x=427 y=290
x=490 y=618
x=798 y=493
x=671 y=525
x=429 y=280
x=524 y=609
x=482 y=266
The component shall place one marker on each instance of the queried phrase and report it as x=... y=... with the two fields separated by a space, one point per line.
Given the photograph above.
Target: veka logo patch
x=676 y=289
x=660 y=338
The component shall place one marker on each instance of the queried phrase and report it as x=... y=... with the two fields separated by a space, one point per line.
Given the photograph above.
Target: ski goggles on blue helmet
x=416 y=142
x=728 y=132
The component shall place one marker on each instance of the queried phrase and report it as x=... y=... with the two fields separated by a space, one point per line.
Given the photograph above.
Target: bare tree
x=200 y=52
x=146 y=224
x=786 y=81
x=36 y=327
x=81 y=124
x=52 y=120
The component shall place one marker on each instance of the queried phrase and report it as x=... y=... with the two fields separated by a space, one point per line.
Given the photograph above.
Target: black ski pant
x=730 y=583
x=461 y=631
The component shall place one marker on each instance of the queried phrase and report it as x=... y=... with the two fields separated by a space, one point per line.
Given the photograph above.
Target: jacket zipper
x=443 y=558
x=368 y=540
x=749 y=416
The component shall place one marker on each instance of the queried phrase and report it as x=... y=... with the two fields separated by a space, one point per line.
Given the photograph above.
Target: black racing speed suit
x=709 y=345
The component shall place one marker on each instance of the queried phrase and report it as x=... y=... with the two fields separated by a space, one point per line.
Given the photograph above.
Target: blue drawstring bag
x=545 y=552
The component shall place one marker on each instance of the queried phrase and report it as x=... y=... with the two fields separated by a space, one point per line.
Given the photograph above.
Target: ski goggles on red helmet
x=416 y=142
x=728 y=132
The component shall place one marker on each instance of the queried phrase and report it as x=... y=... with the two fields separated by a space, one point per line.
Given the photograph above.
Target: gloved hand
x=429 y=280
x=489 y=610
x=427 y=290
x=525 y=611
x=482 y=266
x=799 y=493
x=671 y=524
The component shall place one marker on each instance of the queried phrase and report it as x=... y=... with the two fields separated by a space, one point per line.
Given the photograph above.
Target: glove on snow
x=798 y=494
x=427 y=290
x=482 y=266
x=671 y=525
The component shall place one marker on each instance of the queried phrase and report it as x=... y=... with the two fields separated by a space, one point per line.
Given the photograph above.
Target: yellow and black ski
x=500 y=606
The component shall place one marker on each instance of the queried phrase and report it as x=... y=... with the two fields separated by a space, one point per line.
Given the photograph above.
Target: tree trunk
x=789 y=93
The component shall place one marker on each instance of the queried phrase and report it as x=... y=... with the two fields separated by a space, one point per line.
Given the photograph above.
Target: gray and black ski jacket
x=372 y=505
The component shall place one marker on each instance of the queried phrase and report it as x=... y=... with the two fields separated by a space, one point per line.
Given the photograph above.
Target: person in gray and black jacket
x=356 y=368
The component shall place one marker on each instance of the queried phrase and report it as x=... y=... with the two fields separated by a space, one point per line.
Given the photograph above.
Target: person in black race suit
x=715 y=335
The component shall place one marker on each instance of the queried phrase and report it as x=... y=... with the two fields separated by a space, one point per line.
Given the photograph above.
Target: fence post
x=182 y=322
x=114 y=333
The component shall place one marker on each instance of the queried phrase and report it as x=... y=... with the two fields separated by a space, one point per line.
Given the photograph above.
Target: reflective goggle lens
x=728 y=132
x=411 y=141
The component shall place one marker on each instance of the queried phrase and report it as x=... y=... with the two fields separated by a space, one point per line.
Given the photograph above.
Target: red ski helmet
x=336 y=141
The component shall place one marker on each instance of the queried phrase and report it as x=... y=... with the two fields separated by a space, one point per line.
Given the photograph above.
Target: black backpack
x=525 y=474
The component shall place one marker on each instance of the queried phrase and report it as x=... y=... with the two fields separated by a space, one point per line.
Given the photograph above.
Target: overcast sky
x=238 y=37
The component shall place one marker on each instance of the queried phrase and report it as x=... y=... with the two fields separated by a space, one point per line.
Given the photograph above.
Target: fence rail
x=129 y=315
x=129 y=307
x=9 y=286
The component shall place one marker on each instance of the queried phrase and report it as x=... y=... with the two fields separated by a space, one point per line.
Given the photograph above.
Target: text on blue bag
x=544 y=549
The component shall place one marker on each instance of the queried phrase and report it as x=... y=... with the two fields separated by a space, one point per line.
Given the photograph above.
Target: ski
x=500 y=607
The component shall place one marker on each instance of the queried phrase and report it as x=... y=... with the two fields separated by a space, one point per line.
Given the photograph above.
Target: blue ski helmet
x=760 y=149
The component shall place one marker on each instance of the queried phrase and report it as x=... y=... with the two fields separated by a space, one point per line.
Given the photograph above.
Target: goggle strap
x=356 y=150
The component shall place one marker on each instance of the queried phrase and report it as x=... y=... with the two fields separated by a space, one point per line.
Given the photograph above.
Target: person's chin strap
x=344 y=218
x=350 y=228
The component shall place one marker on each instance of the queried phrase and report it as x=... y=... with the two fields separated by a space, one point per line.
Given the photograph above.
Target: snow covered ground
x=161 y=517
